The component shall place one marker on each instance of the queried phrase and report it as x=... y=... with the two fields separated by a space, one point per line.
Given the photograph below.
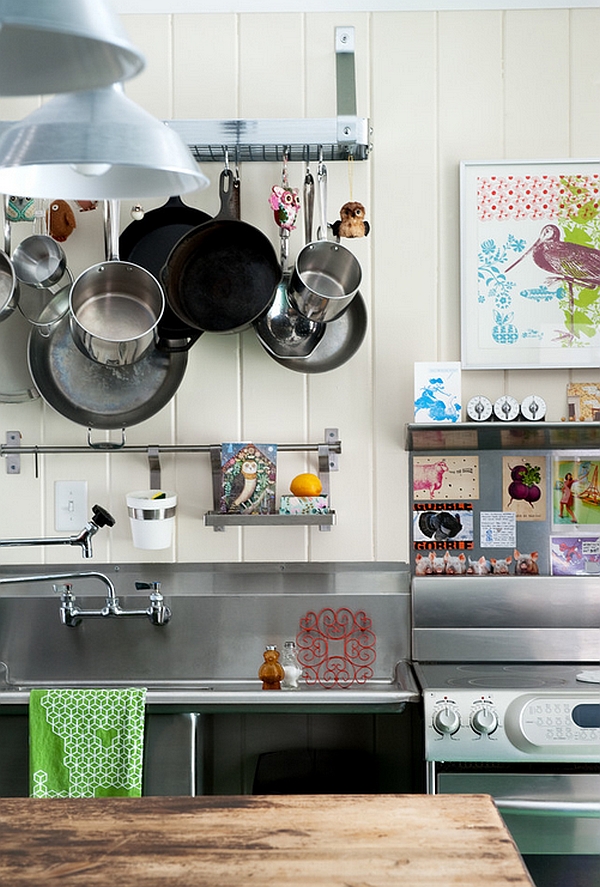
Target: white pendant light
x=95 y=145
x=51 y=46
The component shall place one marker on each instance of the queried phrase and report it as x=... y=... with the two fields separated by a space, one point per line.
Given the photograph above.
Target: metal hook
x=321 y=165
x=226 y=156
x=284 y=171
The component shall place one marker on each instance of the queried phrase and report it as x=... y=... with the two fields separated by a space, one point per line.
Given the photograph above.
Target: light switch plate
x=70 y=505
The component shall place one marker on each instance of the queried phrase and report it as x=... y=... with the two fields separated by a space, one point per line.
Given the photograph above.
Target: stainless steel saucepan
x=9 y=287
x=326 y=275
x=115 y=306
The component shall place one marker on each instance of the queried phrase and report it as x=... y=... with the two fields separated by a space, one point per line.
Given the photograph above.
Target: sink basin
x=209 y=653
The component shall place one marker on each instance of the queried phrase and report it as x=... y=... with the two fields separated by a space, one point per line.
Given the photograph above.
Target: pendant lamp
x=95 y=145
x=51 y=46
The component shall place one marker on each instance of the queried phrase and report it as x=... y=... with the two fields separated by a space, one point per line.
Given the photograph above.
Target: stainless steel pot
x=9 y=287
x=326 y=275
x=39 y=261
x=115 y=306
x=93 y=395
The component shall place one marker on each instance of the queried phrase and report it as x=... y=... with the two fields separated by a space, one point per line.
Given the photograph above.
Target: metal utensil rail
x=327 y=451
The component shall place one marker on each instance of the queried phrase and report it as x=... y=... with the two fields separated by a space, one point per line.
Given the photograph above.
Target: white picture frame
x=530 y=264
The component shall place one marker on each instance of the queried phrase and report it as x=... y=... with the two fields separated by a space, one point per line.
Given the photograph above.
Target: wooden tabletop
x=287 y=841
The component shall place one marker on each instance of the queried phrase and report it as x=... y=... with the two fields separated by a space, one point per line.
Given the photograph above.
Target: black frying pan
x=148 y=243
x=223 y=274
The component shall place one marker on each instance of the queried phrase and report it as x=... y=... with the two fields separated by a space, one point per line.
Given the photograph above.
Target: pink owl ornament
x=285 y=204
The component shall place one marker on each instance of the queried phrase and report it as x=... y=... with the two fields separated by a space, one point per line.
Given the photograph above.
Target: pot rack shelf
x=343 y=137
x=328 y=451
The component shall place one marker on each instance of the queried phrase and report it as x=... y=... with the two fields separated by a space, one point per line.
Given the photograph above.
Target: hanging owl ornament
x=284 y=201
x=285 y=204
x=352 y=222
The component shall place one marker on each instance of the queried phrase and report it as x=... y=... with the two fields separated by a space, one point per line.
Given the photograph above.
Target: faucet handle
x=101 y=517
x=148 y=586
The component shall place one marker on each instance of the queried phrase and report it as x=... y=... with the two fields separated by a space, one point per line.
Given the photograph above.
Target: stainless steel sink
x=209 y=653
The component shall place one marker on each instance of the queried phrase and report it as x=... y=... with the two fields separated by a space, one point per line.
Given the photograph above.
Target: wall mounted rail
x=327 y=451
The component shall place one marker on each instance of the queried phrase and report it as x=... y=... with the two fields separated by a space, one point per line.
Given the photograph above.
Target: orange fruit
x=306 y=485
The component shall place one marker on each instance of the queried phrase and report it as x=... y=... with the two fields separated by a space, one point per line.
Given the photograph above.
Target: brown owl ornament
x=352 y=222
x=61 y=220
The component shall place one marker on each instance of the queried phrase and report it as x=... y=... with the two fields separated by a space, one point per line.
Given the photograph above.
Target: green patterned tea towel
x=86 y=743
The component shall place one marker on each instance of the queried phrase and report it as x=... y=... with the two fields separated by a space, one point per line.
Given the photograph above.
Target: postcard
x=248 y=478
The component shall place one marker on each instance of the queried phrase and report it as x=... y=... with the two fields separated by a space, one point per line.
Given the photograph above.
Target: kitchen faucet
x=72 y=615
x=100 y=518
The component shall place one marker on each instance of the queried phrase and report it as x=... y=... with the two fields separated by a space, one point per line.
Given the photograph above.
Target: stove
x=509 y=670
x=510 y=712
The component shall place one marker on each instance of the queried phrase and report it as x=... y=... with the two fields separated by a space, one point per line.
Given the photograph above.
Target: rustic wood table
x=229 y=841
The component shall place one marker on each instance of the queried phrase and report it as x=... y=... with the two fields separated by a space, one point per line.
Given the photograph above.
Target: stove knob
x=446 y=720
x=484 y=720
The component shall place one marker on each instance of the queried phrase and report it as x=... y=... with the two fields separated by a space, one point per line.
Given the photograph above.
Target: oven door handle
x=549 y=808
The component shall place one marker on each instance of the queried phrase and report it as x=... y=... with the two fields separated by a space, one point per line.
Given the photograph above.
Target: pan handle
x=229 y=195
x=112 y=209
x=163 y=345
x=322 y=182
x=309 y=204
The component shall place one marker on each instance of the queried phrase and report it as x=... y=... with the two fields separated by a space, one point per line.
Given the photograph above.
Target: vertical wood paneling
x=439 y=87
x=470 y=126
x=536 y=60
x=403 y=310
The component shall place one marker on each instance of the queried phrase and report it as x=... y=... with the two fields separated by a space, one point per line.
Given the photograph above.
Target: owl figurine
x=285 y=203
x=352 y=221
x=61 y=220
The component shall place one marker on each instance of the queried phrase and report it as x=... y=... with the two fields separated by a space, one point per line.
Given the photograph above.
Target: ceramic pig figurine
x=481 y=567
x=501 y=566
x=455 y=564
x=526 y=564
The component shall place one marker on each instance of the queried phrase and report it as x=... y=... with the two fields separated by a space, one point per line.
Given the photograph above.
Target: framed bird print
x=530 y=264
x=248 y=478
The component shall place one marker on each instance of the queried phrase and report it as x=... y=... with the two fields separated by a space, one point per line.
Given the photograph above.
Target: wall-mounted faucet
x=72 y=615
x=100 y=518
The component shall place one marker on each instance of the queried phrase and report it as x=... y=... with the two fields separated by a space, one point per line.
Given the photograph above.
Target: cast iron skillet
x=148 y=243
x=222 y=275
x=95 y=395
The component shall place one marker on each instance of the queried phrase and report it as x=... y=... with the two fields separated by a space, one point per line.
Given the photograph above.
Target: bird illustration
x=243 y=484
x=285 y=204
x=573 y=263
x=567 y=261
x=352 y=221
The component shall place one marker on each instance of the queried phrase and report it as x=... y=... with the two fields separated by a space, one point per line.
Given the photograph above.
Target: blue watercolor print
x=439 y=404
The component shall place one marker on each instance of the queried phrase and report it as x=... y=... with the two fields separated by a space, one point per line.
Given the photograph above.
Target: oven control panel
x=506 y=726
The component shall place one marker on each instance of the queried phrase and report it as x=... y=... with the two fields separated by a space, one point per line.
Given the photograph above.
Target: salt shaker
x=292 y=669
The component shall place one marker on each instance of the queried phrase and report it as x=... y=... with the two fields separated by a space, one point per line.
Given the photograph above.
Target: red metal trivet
x=336 y=648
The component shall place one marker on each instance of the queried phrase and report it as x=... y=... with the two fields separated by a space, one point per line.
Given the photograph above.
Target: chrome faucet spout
x=100 y=518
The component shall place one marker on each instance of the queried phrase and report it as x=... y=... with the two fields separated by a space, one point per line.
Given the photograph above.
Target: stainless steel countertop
x=376 y=695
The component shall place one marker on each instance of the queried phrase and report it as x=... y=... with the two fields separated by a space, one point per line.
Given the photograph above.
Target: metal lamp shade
x=95 y=145
x=51 y=46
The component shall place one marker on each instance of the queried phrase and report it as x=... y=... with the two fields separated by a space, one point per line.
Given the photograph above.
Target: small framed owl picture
x=530 y=264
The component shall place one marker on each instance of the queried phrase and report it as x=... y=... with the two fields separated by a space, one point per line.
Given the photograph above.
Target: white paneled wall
x=439 y=87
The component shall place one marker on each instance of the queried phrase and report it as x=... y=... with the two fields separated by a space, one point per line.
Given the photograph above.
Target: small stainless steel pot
x=115 y=306
x=9 y=285
x=326 y=275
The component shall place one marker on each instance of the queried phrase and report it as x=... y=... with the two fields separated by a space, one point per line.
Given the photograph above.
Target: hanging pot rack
x=343 y=137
